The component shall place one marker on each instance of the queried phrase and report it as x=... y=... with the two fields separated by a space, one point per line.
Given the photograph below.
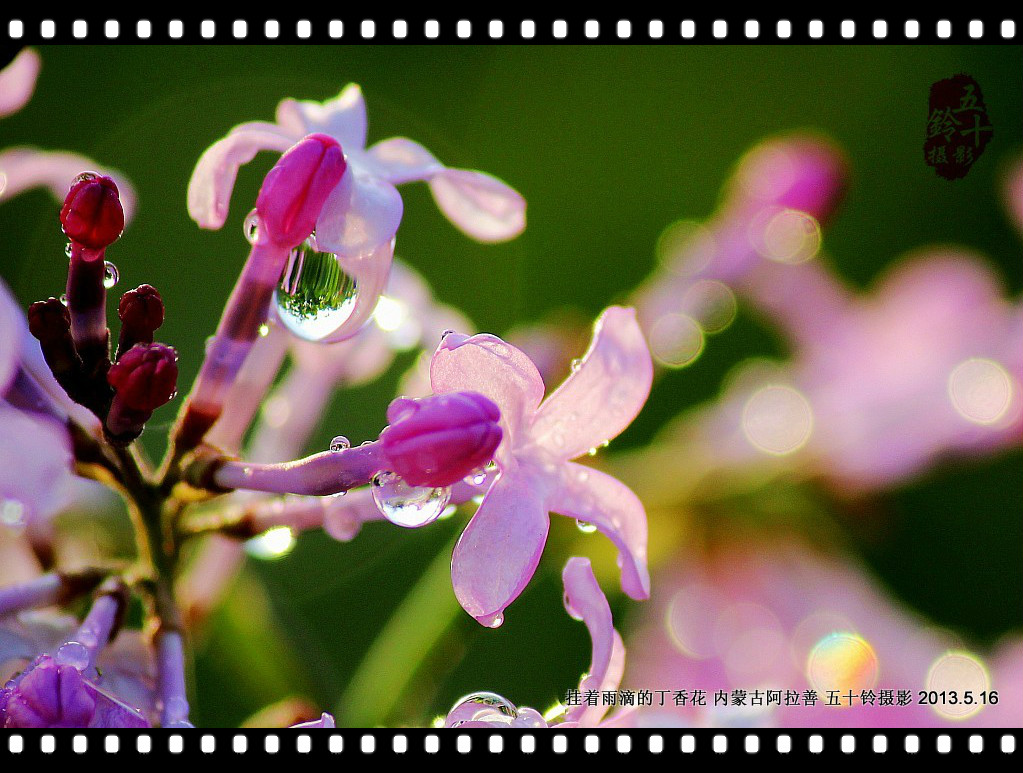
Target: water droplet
x=251 y=227
x=585 y=528
x=68 y=250
x=405 y=505
x=340 y=443
x=83 y=177
x=494 y=621
x=576 y=364
x=63 y=298
x=315 y=296
x=476 y=478
x=481 y=707
x=110 y=274
x=73 y=654
x=571 y=609
x=445 y=334
x=264 y=330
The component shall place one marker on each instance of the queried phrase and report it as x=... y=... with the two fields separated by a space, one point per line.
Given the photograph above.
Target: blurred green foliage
x=609 y=146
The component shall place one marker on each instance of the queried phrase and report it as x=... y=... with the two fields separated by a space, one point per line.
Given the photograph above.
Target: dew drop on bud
x=63 y=298
x=251 y=227
x=84 y=176
x=340 y=443
x=110 y=274
x=405 y=505
x=73 y=654
x=585 y=528
x=315 y=296
x=68 y=250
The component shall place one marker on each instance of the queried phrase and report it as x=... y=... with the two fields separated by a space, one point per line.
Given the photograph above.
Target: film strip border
x=374 y=28
x=655 y=745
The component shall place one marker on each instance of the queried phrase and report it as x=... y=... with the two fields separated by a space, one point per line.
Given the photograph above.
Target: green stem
x=416 y=626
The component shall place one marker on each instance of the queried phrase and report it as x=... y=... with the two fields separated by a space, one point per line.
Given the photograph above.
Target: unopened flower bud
x=438 y=440
x=47 y=694
x=92 y=215
x=294 y=191
x=50 y=322
x=141 y=313
x=143 y=379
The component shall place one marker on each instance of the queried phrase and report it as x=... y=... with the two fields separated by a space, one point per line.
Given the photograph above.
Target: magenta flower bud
x=141 y=313
x=145 y=377
x=437 y=441
x=46 y=695
x=92 y=215
x=294 y=191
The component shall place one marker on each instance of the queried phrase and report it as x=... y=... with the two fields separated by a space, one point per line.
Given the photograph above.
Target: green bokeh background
x=609 y=146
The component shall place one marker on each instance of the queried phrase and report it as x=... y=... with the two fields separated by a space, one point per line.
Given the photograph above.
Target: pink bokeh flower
x=500 y=548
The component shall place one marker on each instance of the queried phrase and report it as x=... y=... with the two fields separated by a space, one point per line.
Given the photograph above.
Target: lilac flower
x=25 y=168
x=65 y=689
x=500 y=548
x=359 y=219
x=584 y=601
x=326 y=722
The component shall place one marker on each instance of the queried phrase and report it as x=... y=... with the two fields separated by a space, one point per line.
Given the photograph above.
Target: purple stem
x=40 y=592
x=330 y=472
x=246 y=310
x=82 y=649
x=170 y=664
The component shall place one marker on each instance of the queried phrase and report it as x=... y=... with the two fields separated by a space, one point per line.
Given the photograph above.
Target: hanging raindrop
x=405 y=505
x=110 y=274
x=315 y=296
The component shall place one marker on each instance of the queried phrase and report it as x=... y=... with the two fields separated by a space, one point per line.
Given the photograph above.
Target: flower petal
x=24 y=168
x=209 y=190
x=585 y=601
x=11 y=325
x=360 y=215
x=602 y=396
x=343 y=118
x=18 y=81
x=486 y=364
x=401 y=160
x=500 y=548
x=594 y=497
x=480 y=205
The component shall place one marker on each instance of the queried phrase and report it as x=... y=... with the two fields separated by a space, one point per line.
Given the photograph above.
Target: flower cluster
x=319 y=285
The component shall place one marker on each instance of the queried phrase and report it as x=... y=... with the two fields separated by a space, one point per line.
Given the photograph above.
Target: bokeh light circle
x=842 y=661
x=777 y=420
x=959 y=672
x=676 y=340
x=981 y=390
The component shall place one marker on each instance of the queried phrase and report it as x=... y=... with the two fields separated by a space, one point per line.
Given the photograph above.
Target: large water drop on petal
x=315 y=296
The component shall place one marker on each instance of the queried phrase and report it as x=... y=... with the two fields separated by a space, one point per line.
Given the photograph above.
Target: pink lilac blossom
x=761 y=612
x=501 y=546
x=360 y=218
x=584 y=601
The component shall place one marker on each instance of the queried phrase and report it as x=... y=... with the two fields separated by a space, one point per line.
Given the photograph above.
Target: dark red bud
x=92 y=215
x=49 y=320
x=141 y=313
x=145 y=377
